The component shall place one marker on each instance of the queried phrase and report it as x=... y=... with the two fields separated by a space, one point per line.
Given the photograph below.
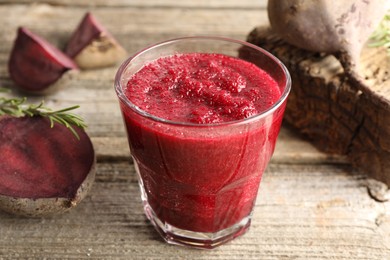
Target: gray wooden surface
x=311 y=205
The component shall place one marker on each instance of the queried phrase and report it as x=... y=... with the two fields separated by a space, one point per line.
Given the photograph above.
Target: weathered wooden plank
x=150 y=3
x=299 y=214
x=57 y=22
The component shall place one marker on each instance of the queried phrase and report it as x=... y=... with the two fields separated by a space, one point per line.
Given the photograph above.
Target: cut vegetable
x=43 y=170
x=35 y=64
x=92 y=46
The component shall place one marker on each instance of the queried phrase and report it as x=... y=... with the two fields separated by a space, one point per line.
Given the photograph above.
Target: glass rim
x=120 y=89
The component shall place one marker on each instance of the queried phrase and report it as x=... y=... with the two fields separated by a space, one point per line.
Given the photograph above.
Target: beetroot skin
x=35 y=64
x=92 y=46
x=338 y=27
x=43 y=170
x=88 y=30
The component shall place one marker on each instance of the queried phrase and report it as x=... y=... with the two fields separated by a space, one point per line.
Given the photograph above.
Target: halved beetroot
x=92 y=46
x=35 y=64
x=43 y=170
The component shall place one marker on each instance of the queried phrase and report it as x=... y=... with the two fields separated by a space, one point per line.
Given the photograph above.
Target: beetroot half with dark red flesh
x=35 y=64
x=43 y=170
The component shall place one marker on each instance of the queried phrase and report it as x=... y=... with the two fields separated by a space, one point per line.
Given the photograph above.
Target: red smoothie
x=201 y=168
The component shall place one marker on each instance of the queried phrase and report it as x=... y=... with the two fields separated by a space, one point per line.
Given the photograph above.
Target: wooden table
x=311 y=205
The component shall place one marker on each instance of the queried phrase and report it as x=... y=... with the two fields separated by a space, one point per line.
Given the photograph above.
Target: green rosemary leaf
x=66 y=109
x=74 y=132
x=16 y=107
x=381 y=36
x=59 y=120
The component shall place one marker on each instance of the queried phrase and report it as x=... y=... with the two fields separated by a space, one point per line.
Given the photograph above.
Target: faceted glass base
x=202 y=240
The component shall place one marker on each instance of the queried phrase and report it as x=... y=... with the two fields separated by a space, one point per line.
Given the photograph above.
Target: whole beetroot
x=336 y=27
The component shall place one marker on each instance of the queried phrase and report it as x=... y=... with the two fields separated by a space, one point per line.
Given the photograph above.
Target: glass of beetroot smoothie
x=202 y=116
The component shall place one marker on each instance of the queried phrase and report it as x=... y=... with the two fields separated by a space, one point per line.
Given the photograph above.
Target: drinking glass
x=199 y=182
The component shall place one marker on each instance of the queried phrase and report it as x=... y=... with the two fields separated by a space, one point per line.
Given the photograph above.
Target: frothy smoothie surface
x=202 y=88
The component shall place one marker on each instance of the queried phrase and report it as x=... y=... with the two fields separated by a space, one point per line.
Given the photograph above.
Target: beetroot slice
x=43 y=166
x=92 y=46
x=34 y=63
x=88 y=30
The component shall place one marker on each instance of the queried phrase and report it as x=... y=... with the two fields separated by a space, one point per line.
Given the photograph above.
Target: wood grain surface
x=337 y=114
x=311 y=205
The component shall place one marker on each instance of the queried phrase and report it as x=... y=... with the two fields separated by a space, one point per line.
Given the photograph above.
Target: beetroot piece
x=35 y=64
x=43 y=170
x=92 y=46
x=335 y=27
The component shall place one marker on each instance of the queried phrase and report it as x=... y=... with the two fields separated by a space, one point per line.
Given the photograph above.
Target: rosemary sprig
x=381 y=36
x=16 y=107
